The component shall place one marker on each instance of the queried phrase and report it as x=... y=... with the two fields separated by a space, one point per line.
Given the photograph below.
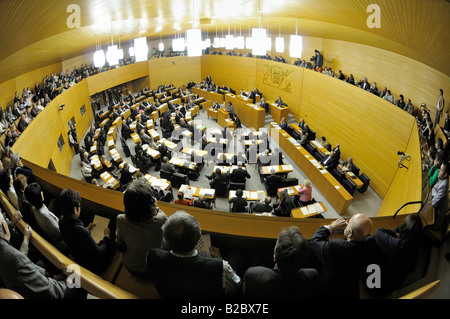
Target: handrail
x=91 y=282
x=423 y=292
x=407 y=204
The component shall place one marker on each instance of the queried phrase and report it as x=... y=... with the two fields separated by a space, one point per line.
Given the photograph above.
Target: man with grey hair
x=180 y=272
x=344 y=261
x=20 y=274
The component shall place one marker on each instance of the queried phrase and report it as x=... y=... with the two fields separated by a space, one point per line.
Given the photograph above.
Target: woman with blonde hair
x=304 y=194
x=107 y=165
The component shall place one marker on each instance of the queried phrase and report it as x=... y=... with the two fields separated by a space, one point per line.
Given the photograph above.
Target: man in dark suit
x=330 y=161
x=344 y=261
x=239 y=203
x=166 y=166
x=263 y=206
x=238 y=175
x=201 y=202
x=219 y=178
x=284 y=206
x=291 y=277
x=181 y=272
x=273 y=178
x=264 y=104
x=337 y=150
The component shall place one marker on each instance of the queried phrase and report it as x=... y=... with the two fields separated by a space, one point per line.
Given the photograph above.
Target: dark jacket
x=188 y=277
x=239 y=204
x=89 y=254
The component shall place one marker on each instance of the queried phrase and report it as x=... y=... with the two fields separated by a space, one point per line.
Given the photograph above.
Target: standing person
x=139 y=228
x=291 y=276
x=87 y=253
x=180 y=272
x=439 y=107
x=344 y=261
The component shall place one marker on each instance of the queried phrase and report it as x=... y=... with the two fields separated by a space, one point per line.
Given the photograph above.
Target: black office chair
x=143 y=167
x=250 y=207
x=349 y=185
x=366 y=180
x=312 y=149
x=272 y=188
x=179 y=179
x=292 y=181
x=221 y=189
x=355 y=170
x=318 y=156
x=338 y=174
x=311 y=135
x=236 y=186
x=165 y=175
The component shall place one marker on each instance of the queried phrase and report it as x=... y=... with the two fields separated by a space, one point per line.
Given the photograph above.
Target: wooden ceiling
x=34 y=33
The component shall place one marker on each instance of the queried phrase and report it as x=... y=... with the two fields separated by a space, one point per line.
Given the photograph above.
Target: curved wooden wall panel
x=368 y=128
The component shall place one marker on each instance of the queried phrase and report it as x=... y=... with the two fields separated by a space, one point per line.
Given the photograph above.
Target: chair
x=312 y=135
x=290 y=182
x=355 y=170
x=236 y=186
x=143 y=167
x=221 y=189
x=165 y=174
x=349 y=185
x=366 y=180
x=318 y=156
x=310 y=148
x=179 y=179
x=134 y=160
x=272 y=188
x=250 y=208
x=338 y=174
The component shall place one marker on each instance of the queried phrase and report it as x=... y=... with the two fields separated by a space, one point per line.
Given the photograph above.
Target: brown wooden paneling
x=175 y=70
x=369 y=129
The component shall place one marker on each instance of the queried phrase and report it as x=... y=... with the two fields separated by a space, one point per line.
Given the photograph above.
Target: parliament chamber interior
x=335 y=115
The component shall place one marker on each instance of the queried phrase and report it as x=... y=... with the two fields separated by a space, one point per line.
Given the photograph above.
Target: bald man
x=345 y=260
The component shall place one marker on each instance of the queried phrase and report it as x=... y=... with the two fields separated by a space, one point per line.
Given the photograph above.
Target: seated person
x=239 y=174
x=324 y=143
x=125 y=175
x=273 y=178
x=284 y=206
x=283 y=124
x=264 y=104
x=107 y=165
x=330 y=161
x=350 y=165
x=398 y=253
x=94 y=256
x=180 y=272
x=239 y=203
x=291 y=277
x=279 y=102
x=47 y=221
x=201 y=202
x=183 y=201
x=20 y=274
x=139 y=227
x=263 y=206
x=304 y=194
x=219 y=178
x=166 y=166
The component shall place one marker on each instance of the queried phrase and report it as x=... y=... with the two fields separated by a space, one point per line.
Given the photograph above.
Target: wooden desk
x=250 y=195
x=192 y=191
x=308 y=211
x=133 y=170
x=161 y=183
x=117 y=122
x=223 y=119
x=213 y=96
x=103 y=123
x=278 y=112
x=351 y=176
x=95 y=161
x=154 y=134
x=110 y=142
x=195 y=152
x=250 y=114
x=115 y=156
x=183 y=163
x=227 y=169
x=336 y=195
x=212 y=113
x=279 y=169
x=126 y=114
x=151 y=152
x=169 y=144
x=112 y=132
x=109 y=180
x=135 y=138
